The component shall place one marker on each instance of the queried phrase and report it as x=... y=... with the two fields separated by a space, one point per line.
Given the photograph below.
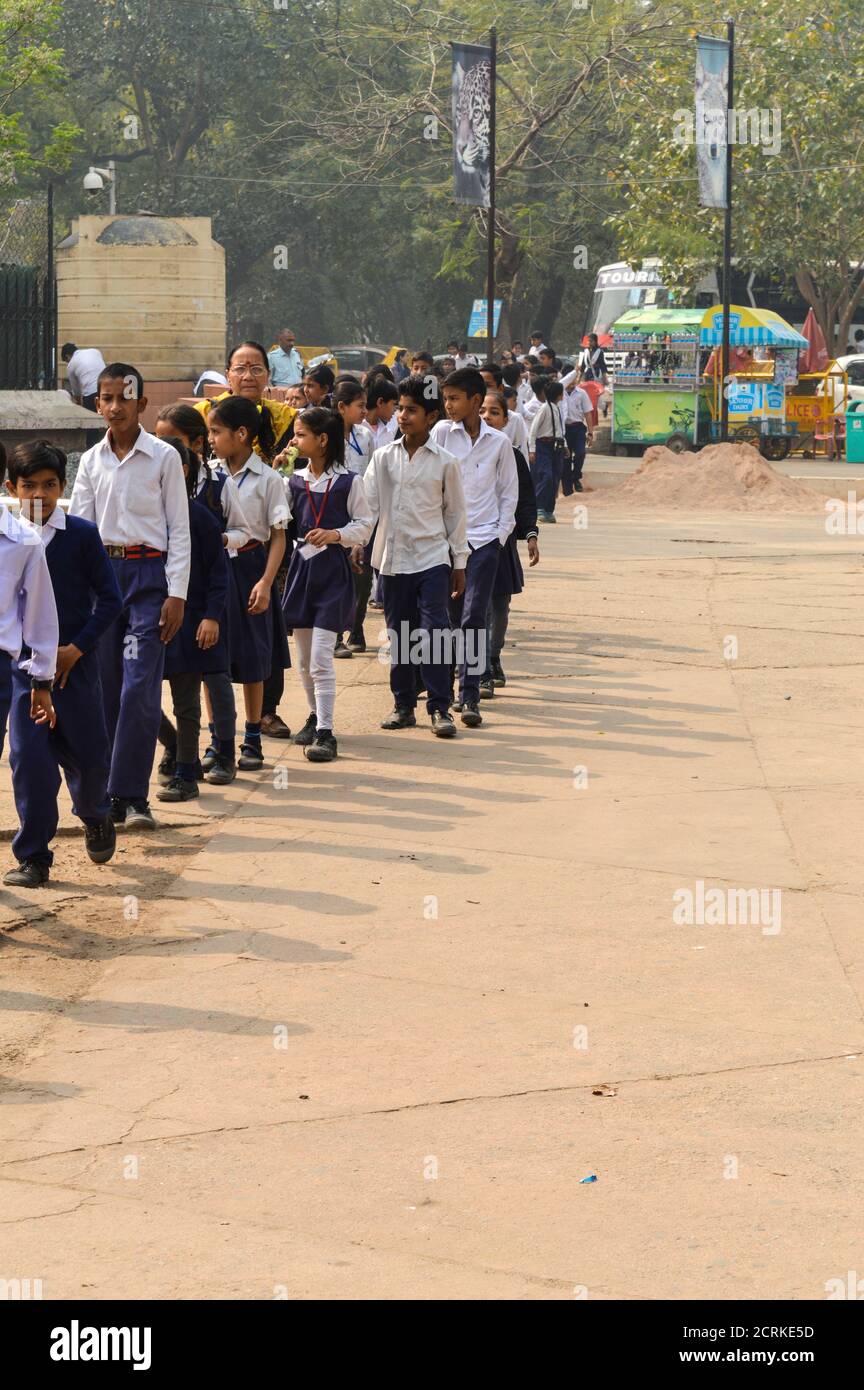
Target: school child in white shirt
x=255 y=620
x=415 y=494
x=546 y=445
x=381 y=398
x=515 y=427
x=328 y=505
x=578 y=412
x=491 y=487
x=131 y=484
x=218 y=493
x=88 y=601
x=349 y=399
x=28 y=615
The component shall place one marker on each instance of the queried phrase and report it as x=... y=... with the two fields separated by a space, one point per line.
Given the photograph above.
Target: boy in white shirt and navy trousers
x=131 y=484
x=28 y=614
x=414 y=491
x=491 y=486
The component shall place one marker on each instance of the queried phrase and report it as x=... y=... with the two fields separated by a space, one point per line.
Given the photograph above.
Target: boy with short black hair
x=131 y=485
x=414 y=490
x=422 y=363
x=88 y=601
x=492 y=374
x=28 y=615
x=491 y=487
x=381 y=398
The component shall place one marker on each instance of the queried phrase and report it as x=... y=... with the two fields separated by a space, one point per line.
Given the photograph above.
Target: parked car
x=853 y=365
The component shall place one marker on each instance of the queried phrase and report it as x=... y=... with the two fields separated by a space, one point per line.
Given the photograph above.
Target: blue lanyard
x=353 y=443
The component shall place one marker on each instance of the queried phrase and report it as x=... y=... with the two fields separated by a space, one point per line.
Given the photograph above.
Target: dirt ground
x=361 y=1030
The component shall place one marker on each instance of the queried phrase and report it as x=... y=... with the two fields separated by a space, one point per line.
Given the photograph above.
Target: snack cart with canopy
x=658 y=396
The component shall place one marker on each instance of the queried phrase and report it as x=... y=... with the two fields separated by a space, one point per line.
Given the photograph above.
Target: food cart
x=763 y=366
x=658 y=396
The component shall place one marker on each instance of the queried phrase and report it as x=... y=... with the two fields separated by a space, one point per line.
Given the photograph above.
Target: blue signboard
x=477 y=321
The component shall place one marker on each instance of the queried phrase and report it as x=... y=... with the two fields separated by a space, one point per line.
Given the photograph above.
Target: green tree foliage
x=798 y=202
x=31 y=69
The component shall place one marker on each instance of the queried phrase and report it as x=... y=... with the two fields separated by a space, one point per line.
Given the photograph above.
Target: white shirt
x=237 y=530
x=517 y=431
x=359 y=448
x=138 y=500
x=82 y=371
x=359 y=528
x=469 y=360
x=489 y=479
x=419 y=504
x=547 y=424
x=28 y=612
x=576 y=405
x=263 y=496
x=384 y=433
x=56 y=522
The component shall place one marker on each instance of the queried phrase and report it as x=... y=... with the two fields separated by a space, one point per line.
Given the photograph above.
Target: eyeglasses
x=246 y=369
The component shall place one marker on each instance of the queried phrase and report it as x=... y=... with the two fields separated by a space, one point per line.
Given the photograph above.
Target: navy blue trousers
x=468 y=612
x=131 y=660
x=577 y=435
x=419 y=602
x=546 y=475
x=78 y=744
x=5 y=693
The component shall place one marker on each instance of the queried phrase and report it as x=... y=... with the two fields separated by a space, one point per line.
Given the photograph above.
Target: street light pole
x=490 y=214
x=727 y=240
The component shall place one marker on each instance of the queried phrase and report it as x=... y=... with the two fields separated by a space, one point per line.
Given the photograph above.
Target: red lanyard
x=317 y=514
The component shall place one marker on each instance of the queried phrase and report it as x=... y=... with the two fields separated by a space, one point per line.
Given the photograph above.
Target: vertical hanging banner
x=472 y=100
x=712 y=100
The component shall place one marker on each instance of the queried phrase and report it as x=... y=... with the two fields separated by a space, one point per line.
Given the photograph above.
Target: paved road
x=352 y=1044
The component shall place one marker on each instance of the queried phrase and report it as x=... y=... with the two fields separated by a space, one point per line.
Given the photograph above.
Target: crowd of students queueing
x=190 y=554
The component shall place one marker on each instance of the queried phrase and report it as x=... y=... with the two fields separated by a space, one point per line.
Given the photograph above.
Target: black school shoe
x=208 y=760
x=498 y=676
x=101 y=840
x=165 y=770
x=251 y=758
x=356 y=642
x=221 y=771
x=324 y=749
x=178 y=789
x=400 y=719
x=487 y=689
x=471 y=716
x=139 y=816
x=306 y=735
x=341 y=651
x=32 y=873
x=443 y=724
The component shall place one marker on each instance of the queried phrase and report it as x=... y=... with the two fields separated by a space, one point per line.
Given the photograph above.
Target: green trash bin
x=855 y=434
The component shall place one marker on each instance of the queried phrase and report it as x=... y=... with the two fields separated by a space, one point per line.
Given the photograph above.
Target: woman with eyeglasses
x=249 y=376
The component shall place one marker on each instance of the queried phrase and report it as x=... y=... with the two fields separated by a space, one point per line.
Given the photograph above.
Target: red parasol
x=815 y=357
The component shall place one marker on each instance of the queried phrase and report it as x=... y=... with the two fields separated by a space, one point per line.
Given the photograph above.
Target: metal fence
x=28 y=296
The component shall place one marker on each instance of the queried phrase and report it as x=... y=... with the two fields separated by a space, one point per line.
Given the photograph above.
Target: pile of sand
x=721 y=477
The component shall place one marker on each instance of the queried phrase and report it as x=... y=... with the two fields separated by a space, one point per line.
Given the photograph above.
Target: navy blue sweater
x=85 y=590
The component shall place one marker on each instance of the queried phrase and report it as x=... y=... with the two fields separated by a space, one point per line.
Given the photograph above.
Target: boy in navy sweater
x=88 y=601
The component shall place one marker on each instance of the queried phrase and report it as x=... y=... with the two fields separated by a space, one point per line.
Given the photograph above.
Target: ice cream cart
x=658 y=396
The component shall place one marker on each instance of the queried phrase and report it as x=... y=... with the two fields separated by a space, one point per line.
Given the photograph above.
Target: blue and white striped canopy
x=749 y=328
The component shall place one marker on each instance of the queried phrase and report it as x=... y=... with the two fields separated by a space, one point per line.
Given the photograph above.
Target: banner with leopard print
x=472 y=97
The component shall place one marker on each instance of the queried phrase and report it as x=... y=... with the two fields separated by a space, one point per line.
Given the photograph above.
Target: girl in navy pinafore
x=330 y=515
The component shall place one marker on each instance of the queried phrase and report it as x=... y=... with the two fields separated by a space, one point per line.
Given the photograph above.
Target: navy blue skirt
x=183 y=654
x=509 y=578
x=250 y=635
x=319 y=592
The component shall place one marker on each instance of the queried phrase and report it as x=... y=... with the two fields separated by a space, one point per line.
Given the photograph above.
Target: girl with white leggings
x=329 y=508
